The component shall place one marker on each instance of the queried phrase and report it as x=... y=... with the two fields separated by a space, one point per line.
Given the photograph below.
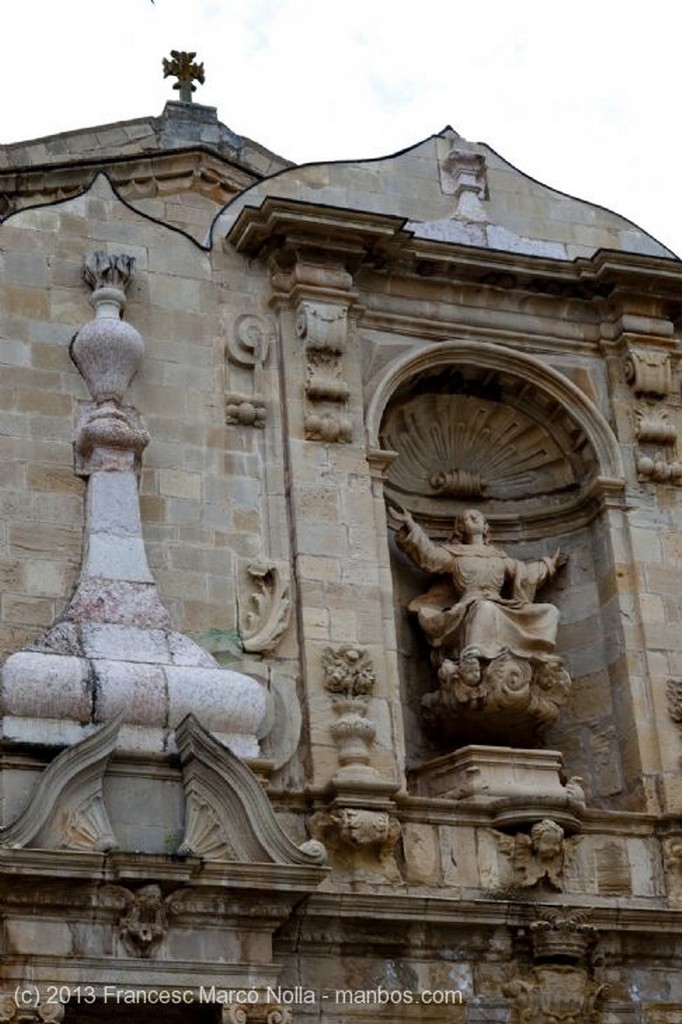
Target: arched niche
x=473 y=424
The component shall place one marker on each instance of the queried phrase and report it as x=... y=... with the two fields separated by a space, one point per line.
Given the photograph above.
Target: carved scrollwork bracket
x=649 y=373
x=323 y=329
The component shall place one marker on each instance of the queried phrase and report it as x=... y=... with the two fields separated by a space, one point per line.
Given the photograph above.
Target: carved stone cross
x=182 y=67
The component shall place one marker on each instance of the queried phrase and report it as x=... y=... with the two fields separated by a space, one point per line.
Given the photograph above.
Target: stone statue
x=491 y=643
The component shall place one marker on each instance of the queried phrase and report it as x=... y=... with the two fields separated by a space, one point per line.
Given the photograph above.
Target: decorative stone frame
x=596 y=499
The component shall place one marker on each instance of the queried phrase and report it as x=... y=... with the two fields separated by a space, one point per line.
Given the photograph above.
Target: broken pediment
x=229 y=817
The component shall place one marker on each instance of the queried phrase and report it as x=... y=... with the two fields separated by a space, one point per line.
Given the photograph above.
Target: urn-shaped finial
x=107 y=350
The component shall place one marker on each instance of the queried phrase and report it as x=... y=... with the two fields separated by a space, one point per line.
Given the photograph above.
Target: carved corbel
x=143 y=919
x=247 y=348
x=323 y=329
x=264 y=613
x=648 y=373
x=535 y=858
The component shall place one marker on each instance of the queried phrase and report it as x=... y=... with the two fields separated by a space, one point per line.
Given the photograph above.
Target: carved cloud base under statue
x=497 y=699
x=515 y=786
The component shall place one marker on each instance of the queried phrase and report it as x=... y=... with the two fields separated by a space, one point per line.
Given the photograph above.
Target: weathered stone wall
x=274 y=361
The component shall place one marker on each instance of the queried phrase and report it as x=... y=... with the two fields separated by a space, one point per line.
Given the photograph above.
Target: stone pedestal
x=516 y=786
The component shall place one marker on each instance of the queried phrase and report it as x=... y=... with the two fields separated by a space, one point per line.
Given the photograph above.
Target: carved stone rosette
x=493 y=699
x=323 y=327
x=349 y=679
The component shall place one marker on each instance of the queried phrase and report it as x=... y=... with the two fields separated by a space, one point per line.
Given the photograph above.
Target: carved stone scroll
x=648 y=372
x=657 y=446
x=247 y=346
x=264 y=613
x=43 y=1012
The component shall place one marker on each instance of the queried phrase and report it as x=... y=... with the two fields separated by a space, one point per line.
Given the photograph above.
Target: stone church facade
x=340 y=553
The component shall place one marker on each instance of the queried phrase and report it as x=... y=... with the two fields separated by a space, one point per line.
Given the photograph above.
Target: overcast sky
x=583 y=96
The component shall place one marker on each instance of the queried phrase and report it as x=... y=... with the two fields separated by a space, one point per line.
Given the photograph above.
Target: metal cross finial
x=182 y=67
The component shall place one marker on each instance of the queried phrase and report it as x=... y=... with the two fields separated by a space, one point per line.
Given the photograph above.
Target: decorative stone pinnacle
x=183 y=67
x=107 y=350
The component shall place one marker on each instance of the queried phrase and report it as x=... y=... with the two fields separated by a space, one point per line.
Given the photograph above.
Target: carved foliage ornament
x=674 y=694
x=349 y=678
x=562 y=932
x=349 y=672
x=265 y=613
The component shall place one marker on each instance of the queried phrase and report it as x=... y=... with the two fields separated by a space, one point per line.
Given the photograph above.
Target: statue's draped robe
x=467 y=612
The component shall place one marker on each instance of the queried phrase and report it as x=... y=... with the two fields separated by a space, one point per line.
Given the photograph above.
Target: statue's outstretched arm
x=411 y=539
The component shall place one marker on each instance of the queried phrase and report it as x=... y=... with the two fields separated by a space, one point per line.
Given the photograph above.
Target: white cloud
x=578 y=95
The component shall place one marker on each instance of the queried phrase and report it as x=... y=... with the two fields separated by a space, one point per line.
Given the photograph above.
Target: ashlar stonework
x=420 y=776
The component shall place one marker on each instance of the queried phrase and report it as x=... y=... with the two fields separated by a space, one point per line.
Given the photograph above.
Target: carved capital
x=562 y=932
